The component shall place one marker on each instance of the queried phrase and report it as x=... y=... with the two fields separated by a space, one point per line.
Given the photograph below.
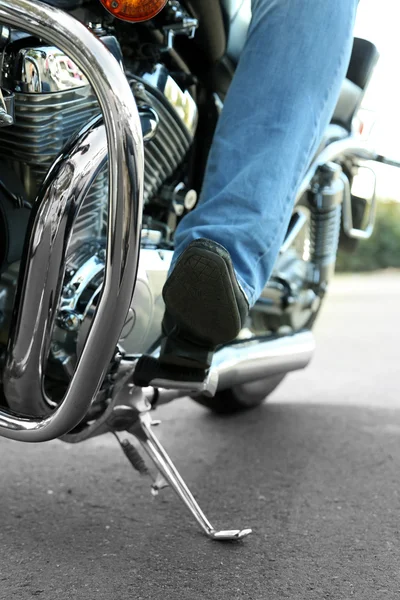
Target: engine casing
x=53 y=100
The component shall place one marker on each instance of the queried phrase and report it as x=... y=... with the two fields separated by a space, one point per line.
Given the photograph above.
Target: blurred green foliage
x=382 y=250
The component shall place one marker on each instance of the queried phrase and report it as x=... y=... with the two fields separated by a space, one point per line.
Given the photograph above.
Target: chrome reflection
x=45 y=69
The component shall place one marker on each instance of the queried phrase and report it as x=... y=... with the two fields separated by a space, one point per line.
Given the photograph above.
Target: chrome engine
x=53 y=100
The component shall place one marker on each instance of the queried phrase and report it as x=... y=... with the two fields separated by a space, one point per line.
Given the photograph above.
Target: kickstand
x=142 y=430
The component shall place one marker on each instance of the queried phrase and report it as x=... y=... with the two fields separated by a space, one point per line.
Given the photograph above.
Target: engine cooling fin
x=54 y=100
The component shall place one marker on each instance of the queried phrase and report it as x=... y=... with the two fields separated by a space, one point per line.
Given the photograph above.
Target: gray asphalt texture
x=315 y=472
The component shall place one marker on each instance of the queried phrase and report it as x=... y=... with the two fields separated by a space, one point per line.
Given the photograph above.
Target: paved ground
x=315 y=472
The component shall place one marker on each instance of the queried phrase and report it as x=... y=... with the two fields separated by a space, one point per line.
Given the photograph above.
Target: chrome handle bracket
x=351 y=231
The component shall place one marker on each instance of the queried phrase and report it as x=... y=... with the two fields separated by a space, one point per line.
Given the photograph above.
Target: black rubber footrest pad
x=149 y=369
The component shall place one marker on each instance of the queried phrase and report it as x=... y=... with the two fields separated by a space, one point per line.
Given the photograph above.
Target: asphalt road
x=315 y=472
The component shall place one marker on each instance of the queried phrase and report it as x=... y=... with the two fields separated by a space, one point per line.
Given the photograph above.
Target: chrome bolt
x=69 y=320
x=101 y=254
x=68 y=291
x=190 y=199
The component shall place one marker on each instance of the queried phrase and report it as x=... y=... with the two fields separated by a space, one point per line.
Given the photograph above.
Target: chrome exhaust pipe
x=43 y=266
x=254 y=360
x=250 y=361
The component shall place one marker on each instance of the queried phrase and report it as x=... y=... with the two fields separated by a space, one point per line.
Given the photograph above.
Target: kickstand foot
x=142 y=430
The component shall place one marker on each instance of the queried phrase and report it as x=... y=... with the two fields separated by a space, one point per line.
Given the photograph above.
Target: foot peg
x=142 y=430
x=150 y=372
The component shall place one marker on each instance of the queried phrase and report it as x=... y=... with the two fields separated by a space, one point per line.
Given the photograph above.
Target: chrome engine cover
x=81 y=291
x=143 y=324
x=53 y=100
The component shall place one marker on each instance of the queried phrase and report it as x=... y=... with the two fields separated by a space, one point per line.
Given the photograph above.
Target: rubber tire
x=241 y=397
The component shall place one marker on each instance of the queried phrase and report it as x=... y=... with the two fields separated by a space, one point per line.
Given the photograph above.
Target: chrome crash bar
x=42 y=269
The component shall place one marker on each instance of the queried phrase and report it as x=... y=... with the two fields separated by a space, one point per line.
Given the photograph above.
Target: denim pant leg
x=278 y=106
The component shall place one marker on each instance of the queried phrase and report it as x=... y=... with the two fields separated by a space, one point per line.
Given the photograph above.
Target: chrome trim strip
x=53 y=225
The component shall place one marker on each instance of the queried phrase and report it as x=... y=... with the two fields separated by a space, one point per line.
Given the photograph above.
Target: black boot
x=205 y=308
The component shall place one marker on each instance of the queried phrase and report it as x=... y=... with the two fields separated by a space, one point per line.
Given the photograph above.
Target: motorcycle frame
x=43 y=267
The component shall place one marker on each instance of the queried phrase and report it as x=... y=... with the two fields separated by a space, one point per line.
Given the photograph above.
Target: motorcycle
x=107 y=112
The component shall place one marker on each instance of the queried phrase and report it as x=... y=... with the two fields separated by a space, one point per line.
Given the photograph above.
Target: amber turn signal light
x=134 y=10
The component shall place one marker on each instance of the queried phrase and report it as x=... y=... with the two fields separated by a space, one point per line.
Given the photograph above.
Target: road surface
x=315 y=472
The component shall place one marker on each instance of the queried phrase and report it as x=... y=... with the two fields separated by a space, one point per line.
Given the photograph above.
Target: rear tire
x=241 y=397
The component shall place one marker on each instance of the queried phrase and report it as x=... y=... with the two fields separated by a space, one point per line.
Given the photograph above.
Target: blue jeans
x=280 y=102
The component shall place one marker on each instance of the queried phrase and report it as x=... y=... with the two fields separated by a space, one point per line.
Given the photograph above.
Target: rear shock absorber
x=326 y=211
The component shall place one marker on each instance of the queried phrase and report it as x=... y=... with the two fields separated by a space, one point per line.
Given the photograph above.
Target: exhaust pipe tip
x=253 y=360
